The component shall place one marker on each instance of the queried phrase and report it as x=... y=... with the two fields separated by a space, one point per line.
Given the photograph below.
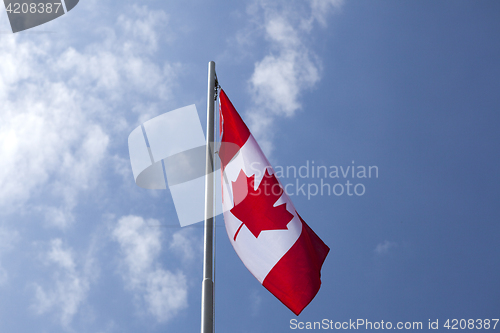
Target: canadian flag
x=267 y=233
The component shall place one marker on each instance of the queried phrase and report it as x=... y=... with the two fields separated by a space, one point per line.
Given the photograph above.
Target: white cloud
x=139 y=243
x=183 y=244
x=71 y=283
x=278 y=80
x=3 y=275
x=255 y=301
x=60 y=256
x=290 y=67
x=66 y=110
x=383 y=248
x=164 y=292
x=144 y=27
x=7 y=240
x=321 y=8
x=60 y=106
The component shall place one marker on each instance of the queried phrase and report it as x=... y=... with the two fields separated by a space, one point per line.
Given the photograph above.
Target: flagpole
x=207 y=289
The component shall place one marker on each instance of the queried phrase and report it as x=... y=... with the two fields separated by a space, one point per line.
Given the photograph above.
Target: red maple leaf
x=254 y=208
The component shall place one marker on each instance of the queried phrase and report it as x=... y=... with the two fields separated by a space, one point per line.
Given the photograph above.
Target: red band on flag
x=296 y=278
x=233 y=129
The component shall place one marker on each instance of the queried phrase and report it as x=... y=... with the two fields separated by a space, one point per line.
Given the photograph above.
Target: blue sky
x=410 y=87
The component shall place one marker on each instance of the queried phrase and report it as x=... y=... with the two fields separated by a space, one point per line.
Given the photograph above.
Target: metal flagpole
x=207 y=289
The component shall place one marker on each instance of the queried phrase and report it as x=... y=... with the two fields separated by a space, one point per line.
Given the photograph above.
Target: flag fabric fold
x=267 y=233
